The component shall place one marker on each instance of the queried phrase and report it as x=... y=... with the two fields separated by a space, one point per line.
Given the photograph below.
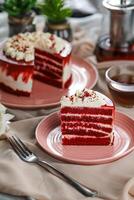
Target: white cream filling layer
x=87 y=129
x=18 y=84
x=87 y=115
x=85 y=136
x=86 y=123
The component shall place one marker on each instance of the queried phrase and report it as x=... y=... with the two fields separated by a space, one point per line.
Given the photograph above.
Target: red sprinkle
x=86 y=94
x=71 y=98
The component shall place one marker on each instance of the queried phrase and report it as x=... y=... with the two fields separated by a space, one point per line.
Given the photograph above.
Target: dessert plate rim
x=90 y=70
x=44 y=143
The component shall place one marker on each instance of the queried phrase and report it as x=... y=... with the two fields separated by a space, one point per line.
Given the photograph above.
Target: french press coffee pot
x=118 y=43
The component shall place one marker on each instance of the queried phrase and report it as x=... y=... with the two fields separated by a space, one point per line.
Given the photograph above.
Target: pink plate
x=48 y=135
x=43 y=95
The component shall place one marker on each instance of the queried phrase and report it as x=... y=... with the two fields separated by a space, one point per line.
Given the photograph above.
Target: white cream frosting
x=52 y=44
x=66 y=73
x=88 y=115
x=18 y=84
x=4 y=120
x=69 y=136
x=86 y=98
x=21 y=46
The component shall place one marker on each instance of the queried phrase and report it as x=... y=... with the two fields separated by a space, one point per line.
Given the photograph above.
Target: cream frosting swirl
x=20 y=47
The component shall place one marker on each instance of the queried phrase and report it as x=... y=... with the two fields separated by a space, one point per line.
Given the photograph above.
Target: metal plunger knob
x=120 y=22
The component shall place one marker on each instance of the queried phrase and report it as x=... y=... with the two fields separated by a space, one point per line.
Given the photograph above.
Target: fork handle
x=78 y=186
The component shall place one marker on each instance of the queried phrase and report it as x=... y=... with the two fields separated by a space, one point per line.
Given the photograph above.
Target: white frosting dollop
x=21 y=46
x=86 y=98
x=4 y=120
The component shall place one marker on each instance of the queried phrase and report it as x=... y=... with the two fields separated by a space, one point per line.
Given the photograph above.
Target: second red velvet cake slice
x=87 y=119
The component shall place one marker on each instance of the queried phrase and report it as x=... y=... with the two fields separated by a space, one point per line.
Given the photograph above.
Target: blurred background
x=104 y=28
x=83 y=23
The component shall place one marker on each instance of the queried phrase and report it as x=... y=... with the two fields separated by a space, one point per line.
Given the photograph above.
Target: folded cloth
x=128 y=192
x=20 y=114
x=20 y=178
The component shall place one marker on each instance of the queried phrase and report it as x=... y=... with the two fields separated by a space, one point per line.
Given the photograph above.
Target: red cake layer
x=43 y=65
x=97 y=126
x=48 y=60
x=44 y=68
x=104 y=110
x=48 y=72
x=86 y=118
x=16 y=92
x=55 y=57
x=51 y=81
x=86 y=140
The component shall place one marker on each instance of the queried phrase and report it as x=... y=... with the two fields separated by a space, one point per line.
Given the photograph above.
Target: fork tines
x=18 y=146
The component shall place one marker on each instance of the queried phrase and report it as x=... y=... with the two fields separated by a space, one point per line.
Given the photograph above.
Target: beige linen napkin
x=128 y=192
x=113 y=180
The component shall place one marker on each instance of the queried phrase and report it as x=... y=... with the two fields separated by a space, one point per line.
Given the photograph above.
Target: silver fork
x=28 y=156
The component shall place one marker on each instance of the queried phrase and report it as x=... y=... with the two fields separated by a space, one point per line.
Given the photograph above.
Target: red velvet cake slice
x=52 y=60
x=17 y=65
x=87 y=119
